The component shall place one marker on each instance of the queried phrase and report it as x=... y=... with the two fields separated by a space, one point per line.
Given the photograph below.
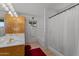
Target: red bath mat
x=37 y=52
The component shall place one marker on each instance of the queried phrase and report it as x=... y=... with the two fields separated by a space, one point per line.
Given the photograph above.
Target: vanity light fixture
x=10 y=9
x=33 y=22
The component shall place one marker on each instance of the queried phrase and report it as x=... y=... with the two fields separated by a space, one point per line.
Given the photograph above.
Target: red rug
x=37 y=52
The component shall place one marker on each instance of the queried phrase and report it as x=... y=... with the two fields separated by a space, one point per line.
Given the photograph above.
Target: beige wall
x=14 y=24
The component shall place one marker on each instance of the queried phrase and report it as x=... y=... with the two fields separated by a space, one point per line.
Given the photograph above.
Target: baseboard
x=55 y=51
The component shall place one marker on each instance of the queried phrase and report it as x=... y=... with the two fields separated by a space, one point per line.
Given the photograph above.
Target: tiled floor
x=45 y=50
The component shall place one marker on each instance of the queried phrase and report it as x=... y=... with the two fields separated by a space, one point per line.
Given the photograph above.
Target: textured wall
x=14 y=24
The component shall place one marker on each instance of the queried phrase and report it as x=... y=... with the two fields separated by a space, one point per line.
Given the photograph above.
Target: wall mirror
x=2 y=23
x=2 y=27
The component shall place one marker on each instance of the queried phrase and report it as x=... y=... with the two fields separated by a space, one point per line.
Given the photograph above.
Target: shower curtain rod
x=64 y=10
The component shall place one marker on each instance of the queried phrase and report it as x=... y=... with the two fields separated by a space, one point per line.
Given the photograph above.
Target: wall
x=34 y=34
x=37 y=33
x=31 y=32
x=63 y=32
x=14 y=24
x=41 y=31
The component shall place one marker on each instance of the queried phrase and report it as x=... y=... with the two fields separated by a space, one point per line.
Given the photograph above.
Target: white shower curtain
x=63 y=32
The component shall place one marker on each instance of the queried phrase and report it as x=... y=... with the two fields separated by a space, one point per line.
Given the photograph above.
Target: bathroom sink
x=11 y=40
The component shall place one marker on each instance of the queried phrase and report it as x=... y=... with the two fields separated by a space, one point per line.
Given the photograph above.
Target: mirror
x=2 y=27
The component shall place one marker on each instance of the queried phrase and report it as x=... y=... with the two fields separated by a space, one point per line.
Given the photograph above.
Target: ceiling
x=36 y=9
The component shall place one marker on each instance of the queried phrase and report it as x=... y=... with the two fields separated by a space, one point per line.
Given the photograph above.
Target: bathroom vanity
x=12 y=36
x=12 y=44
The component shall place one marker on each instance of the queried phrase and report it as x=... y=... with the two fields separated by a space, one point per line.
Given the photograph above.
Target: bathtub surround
x=63 y=31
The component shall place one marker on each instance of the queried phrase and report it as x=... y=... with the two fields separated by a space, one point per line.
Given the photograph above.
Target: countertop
x=12 y=40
